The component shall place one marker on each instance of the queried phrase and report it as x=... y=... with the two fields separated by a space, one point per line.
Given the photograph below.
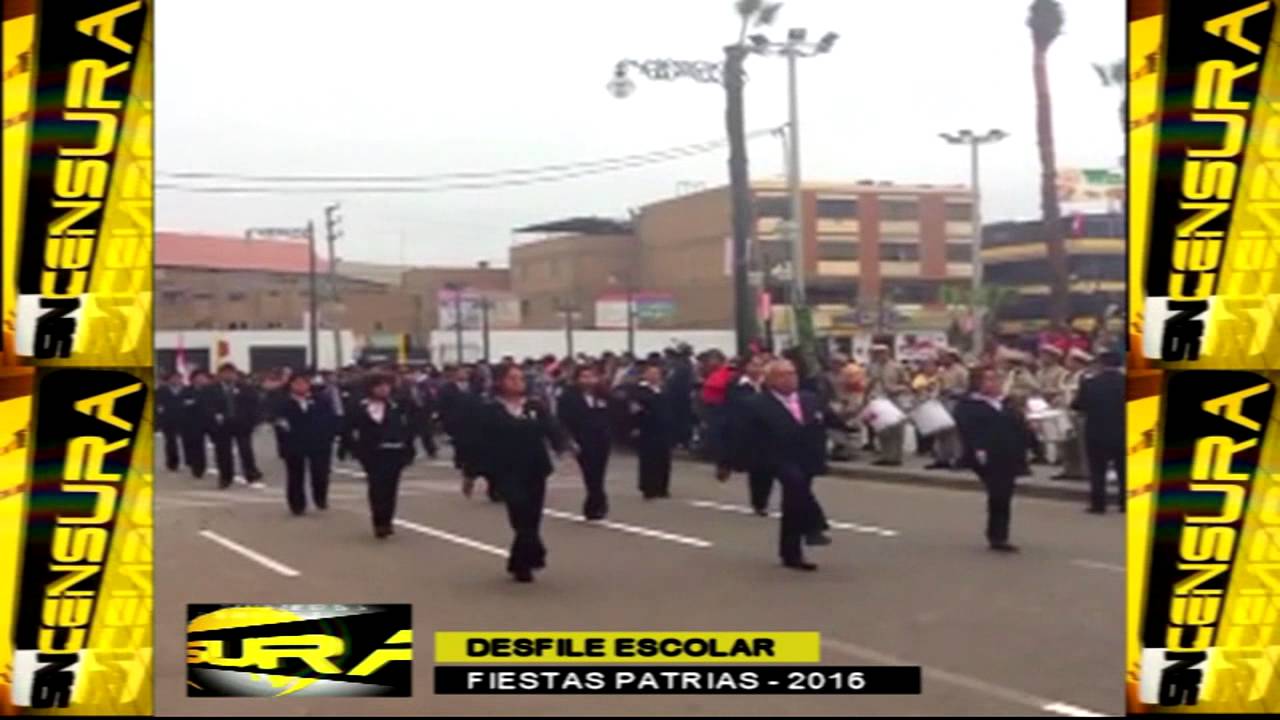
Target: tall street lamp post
x=976 y=141
x=729 y=74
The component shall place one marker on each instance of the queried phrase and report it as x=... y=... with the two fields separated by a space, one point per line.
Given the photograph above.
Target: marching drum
x=931 y=417
x=881 y=414
x=1054 y=426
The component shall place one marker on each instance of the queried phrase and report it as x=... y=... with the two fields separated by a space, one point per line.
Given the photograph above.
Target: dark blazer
x=778 y=443
x=168 y=407
x=193 y=414
x=516 y=447
x=650 y=413
x=1101 y=398
x=738 y=445
x=1002 y=433
x=590 y=427
x=238 y=407
x=457 y=408
x=371 y=440
x=306 y=432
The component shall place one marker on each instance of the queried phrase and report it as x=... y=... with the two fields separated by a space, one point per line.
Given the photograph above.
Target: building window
x=377 y=327
x=958 y=212
x=838 y=251
x=899 y=210
x=959 y=253
x=273 y=293
x=838 y=209
x=912 y=293
x=172 y=296
x=773 y=206
x=202 y=296
x=235 y=296
x=524 y=308
x=273 y=325
x=899 y=253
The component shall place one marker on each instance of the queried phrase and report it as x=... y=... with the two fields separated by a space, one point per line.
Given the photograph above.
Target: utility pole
x=457 y=318
x=312 y=320
x=333 y=232
x=631 y=317
x=568 y=310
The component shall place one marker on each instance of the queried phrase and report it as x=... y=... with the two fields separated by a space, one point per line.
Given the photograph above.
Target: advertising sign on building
x=503 y=309
x=611 y=310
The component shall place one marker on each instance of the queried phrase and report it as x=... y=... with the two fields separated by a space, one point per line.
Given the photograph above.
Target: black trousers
x=760 y=483
x=525 y=496
x=655 y=469
x=171 y=437
x=279 y=443
x=243 y=441
x=999 y=485
x=428 y=438
x=801 y=513
x=593 y=461
x=382 y=472
x=1100 y=458
x=193 y=451
x=296 y=466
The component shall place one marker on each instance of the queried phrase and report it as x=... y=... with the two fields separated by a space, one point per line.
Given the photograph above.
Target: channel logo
x=299 y=650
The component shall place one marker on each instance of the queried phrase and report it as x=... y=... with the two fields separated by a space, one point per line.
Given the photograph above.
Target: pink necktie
x=793 y=404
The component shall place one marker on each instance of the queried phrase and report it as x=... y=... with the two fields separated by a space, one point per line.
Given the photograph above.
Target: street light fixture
x=796 y=46
x=975 y=141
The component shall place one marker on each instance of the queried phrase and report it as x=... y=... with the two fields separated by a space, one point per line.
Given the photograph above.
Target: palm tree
x=1115 y=74
x=1045 y=21
x=755 y=12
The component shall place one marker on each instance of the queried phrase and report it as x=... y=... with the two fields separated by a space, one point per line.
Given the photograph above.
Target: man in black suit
x=787 y=429
x=194 y=423
x=737 y=438
x=169 y=417
x=583 y=410
x=233 y=407
x=1101 y=400
x=651 y=430
x=307 y=425
x=383 y=443
x=679 y=392
x=995 y=446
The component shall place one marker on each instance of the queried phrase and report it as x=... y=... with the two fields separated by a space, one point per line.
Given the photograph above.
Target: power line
x=624 y=159
x=494 y=179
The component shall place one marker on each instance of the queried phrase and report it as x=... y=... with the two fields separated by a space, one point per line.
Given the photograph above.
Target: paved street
x=908 y=580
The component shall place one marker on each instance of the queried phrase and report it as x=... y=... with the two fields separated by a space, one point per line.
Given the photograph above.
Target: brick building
x=864 y=243
x=569 y=264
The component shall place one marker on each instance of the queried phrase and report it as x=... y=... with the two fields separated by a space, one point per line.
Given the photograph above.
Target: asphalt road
x=908 y=580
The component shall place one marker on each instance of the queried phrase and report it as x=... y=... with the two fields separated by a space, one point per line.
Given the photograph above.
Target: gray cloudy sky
x=418 y=87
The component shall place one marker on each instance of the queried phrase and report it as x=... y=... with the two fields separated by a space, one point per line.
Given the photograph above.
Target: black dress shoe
x=1004 y=547
x=817 y=539
x=382 y=531
x=322 y=505
x=1096 y=511
x=522 y=576
x=762 y=512
x=800 y=565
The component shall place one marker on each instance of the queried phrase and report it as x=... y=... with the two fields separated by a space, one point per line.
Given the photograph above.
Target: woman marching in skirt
x=516 y=431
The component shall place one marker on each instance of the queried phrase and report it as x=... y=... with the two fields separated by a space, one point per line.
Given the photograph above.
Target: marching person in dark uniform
x=1101 y=400
x=583 y=410
x=194 y=423
x=275 y=393
x=995 y=446
x=307 y=425
x=679 y=392
x=344 y=391
x=737 y=437
x=234 y=409
x=383 y=443
x=787 y=431
x=169 y=417
x=516 y=430
x=650 y=415
x=413 y=395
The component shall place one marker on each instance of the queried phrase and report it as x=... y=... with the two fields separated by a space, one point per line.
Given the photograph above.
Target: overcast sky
x=417 y=87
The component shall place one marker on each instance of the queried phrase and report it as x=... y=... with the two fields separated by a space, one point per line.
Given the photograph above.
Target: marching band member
x=1073 y=450
x=516 y=430
x=886 y=379
x=929 y=387
x=382 y=442
x=848 y=400
x=583 y=411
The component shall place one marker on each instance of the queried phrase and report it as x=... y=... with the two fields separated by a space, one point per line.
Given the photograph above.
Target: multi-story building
x=429 y=285
x=866 y=245
x=565 y=266
x=1015 y=256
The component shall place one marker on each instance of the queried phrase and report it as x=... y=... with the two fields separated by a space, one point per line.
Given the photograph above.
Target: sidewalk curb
x=959 y=481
